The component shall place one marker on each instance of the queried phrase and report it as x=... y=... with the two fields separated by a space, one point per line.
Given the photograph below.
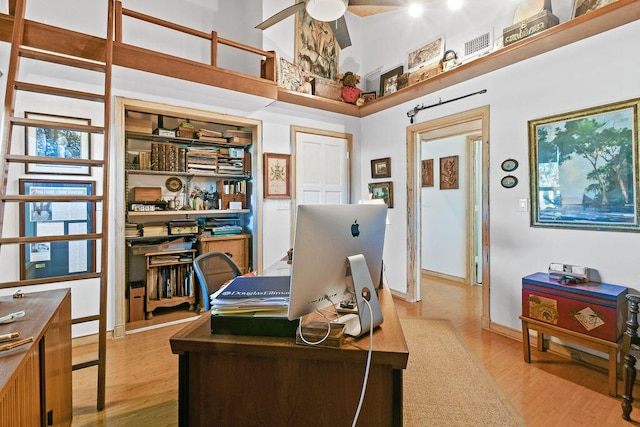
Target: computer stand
x=364 y=289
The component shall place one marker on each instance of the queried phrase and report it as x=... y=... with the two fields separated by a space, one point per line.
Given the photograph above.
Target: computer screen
x=325 y=235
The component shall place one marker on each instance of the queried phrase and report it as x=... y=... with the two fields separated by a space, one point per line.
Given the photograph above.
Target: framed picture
x=389 y=81
x=584 y=168
x=277 y=182
x=382 y=190
x=56 y=218
x=449 y=173
x=430 y=53
x=368 y=96
x=581 y=7
x=58 y=143
x=315 y=49
x=381 y=168
x=427 y=173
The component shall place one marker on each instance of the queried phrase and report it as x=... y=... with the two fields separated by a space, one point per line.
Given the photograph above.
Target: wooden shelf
x=210 y=212
x=188 y=174
x=72 y=43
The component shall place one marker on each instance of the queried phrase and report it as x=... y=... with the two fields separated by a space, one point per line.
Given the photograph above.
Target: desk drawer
x=595 y=309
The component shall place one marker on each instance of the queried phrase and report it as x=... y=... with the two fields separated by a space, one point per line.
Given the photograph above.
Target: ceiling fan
x=329 y=11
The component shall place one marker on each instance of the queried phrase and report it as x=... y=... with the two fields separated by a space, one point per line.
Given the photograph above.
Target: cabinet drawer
x=236 y=247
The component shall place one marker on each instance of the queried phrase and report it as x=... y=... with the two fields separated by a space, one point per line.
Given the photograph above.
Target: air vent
x=478 y=45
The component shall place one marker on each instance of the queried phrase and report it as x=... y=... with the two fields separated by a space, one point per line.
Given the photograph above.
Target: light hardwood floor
x=142 y=373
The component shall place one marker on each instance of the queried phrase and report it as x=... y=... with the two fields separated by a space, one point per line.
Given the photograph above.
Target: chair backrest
x=213 y=270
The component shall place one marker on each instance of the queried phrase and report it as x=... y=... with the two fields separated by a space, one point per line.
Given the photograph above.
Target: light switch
x=523 y=205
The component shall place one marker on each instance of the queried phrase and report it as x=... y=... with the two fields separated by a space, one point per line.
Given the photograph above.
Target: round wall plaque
x=509 y=165
x=509 y=181
x=173 y=184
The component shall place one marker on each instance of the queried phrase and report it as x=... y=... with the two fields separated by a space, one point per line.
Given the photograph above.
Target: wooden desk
x=35 y=378
x=249 y=381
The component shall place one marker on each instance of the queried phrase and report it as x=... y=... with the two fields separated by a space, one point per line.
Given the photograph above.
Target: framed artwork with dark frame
x=449 y=173
x=427 y=173
x=382 y=190
x=368 y=96
x=584 y=168
x=60 y=143
x=277 y=180
x=389 y=81
x=381 y=168
x=57 y=218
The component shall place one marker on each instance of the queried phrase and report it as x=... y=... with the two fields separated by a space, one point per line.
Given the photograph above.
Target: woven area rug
x=445 y=384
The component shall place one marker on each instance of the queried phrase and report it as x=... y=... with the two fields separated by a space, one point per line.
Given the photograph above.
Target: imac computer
x=337 y=256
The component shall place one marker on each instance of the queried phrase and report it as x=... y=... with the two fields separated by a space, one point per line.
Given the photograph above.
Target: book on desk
x=253 y=306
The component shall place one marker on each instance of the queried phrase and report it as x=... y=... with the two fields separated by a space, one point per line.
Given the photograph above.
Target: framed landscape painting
x=584 y=168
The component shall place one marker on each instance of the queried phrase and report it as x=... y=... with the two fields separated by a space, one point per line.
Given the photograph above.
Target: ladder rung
x=47 y=280
x=70 y=61
x=82 y=365
x=41 y=239
x=48 y=124
x=57 y=91
x=48 y=198
x=85 y=319
x=19 y=158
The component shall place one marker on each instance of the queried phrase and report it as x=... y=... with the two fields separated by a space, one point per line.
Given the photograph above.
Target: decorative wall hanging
x=382 y=190
x=316 y=48
x=584 y=168
x=509 y=165
x=449 y=173
x=427 y=173
x=509 y=181
x=60 y=143
x=277 y=181
x=381 y=168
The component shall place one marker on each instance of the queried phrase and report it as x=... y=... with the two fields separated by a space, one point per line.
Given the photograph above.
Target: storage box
x=592 y=308
x=529 y=27
x=138 y=125
x=136 y=303
x=328 y=88
x=145 y=194
x=227 y=198
x=165 y=132
x=184 y=132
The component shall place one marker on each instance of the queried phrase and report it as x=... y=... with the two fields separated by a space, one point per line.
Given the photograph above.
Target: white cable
x=304 y=340
x=366 y=371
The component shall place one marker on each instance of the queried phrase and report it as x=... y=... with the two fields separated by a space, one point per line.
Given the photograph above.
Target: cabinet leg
x=526 y=345
x=540 y=341
x=629 y=379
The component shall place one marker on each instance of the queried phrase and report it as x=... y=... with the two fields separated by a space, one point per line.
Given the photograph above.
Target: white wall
x=574 y=77
x=560 y=81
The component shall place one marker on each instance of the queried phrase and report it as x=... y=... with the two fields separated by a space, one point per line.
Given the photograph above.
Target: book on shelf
x=209 y=133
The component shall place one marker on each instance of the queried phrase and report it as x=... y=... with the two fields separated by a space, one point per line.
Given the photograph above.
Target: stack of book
x=154 y=230
x=230 y=166
x=210 y=135
x=237 y=136
x=202 y=160
x=131 y=230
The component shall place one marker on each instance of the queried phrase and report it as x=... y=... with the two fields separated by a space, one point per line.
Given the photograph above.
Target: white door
x=321 y=169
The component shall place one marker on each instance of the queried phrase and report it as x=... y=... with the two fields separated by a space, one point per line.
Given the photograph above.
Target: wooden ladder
x=61 y=196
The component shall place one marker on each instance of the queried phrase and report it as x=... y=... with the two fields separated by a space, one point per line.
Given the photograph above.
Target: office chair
x=630 y=353
x=213 y=270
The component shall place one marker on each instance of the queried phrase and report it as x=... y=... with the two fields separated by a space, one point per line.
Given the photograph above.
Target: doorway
x=475 y=125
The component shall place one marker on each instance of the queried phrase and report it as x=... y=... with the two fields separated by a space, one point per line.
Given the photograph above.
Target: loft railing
x=267 y=58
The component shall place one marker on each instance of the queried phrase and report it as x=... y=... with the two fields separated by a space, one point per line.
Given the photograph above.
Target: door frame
x=447 y=124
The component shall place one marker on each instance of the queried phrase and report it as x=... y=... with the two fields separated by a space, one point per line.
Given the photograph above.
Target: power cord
x=366 y=371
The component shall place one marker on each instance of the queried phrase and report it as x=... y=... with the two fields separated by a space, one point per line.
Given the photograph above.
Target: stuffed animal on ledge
x=350 y=93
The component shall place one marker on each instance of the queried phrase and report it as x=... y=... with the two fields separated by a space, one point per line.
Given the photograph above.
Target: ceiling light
x=415 y=10
x=326 y=10
x=454 y=4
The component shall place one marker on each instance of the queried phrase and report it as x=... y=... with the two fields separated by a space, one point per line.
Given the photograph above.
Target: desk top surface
x=389 y=344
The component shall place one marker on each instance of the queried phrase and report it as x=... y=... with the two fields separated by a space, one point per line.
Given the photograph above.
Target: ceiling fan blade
x=398 y=3
x=284 y=13
x=341 y=32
